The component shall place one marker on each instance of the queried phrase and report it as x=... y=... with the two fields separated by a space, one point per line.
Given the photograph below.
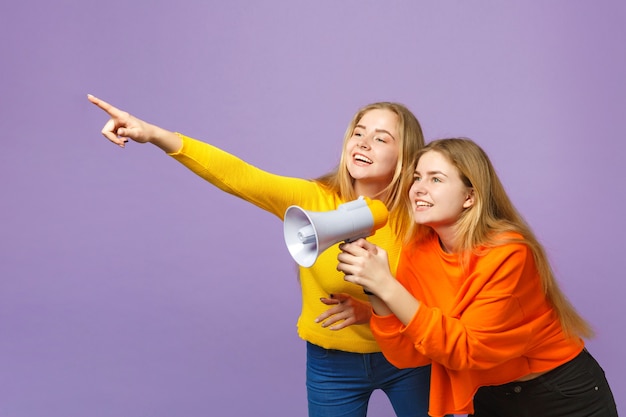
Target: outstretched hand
x=345 y=312
x=121 y=126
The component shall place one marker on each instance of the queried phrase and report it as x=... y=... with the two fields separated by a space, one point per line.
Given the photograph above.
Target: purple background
x=129 y=287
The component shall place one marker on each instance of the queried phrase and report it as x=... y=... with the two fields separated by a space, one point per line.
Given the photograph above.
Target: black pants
x=577 y=388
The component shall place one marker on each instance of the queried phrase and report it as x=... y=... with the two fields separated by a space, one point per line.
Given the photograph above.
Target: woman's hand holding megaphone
x=365 y=264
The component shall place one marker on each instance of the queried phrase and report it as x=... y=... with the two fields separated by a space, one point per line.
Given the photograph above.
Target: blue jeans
x=339 y=384
x=577 y=388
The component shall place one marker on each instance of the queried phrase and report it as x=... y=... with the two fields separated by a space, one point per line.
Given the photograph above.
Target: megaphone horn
x=309 y=233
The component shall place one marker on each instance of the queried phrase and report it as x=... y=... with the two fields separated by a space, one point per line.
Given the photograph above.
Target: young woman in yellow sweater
x=476 y=297
x=344 y=363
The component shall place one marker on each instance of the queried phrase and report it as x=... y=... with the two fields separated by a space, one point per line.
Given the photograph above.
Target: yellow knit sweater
x=275 y=194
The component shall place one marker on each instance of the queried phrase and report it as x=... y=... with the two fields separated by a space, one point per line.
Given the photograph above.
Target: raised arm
x=123 y=126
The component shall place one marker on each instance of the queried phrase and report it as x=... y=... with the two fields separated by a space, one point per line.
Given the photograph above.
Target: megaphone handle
x=352 y=240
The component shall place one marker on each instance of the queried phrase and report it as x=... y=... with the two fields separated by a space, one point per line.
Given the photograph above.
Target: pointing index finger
x=110 y=109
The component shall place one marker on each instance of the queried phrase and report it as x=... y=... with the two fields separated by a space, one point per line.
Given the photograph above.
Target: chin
x=419 y=219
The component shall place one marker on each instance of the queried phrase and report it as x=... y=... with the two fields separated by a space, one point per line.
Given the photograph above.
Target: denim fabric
x=577 y=388
x=339 y=384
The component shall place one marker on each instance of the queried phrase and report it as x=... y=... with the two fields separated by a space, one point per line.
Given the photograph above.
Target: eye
x=435 y=179
x=380 y=139
x=417 y=178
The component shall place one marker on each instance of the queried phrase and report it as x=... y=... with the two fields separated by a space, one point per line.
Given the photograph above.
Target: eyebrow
x=377 y=130
x=431 y=173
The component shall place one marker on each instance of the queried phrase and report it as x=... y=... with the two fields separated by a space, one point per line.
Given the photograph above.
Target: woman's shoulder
x=506 y=239
x=506 y=244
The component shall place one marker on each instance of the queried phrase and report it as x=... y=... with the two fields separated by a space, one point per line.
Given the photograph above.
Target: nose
x=417 y=188
x=364 y=142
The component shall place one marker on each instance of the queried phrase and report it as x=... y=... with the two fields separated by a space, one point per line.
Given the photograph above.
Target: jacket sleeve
x=273 y=193
x=398 y=349
x=489 y=323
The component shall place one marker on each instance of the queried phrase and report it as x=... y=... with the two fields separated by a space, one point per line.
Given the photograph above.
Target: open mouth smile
x=363 y=158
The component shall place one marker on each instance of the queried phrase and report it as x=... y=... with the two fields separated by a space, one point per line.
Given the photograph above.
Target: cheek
x=391 y=161
x=347 y=148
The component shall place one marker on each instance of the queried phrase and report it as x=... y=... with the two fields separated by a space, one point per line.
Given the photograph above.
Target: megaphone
x=309 y=233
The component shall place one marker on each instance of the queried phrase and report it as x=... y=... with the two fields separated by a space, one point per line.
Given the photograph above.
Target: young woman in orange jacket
x=475 y=296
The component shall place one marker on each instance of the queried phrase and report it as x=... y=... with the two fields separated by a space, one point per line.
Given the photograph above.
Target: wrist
x=386 y=291
x=168 y=141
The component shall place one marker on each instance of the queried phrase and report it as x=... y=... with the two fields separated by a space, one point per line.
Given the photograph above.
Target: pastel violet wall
x=129 y=287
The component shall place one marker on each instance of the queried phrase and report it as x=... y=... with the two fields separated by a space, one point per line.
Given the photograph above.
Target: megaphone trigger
x=309 y=233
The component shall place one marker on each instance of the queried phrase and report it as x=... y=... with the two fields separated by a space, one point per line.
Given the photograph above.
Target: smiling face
x=372 y=151
x=438 y=194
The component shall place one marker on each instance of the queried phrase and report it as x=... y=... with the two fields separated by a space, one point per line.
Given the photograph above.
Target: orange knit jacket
x=488 y=325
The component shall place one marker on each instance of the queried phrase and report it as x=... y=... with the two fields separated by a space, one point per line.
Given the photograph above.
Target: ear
x=469 y=199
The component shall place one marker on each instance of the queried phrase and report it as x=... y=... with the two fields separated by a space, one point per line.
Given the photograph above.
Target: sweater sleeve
x=273 y=193
x=488 y=324
x=398 y=349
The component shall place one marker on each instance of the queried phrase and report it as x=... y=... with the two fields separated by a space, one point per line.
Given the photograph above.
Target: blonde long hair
x=411 y=140
x=492 y=215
